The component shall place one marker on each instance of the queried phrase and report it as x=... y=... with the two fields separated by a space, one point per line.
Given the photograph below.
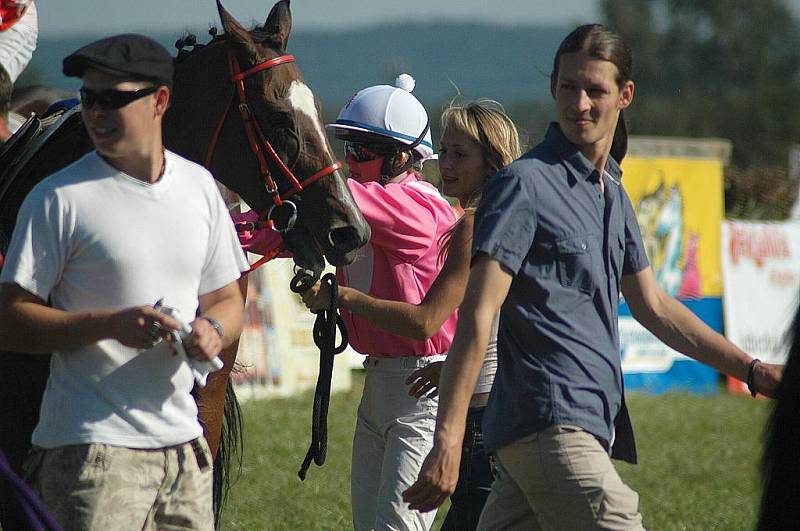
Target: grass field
x=698 y=465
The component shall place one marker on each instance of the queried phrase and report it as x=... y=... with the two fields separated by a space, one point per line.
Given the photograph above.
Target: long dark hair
x=601 y=43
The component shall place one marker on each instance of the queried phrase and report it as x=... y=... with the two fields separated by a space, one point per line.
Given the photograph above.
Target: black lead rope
x=325 y=338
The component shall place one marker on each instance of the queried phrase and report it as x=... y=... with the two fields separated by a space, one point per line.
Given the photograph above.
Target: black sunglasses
x=363 y=153
x=111 y=99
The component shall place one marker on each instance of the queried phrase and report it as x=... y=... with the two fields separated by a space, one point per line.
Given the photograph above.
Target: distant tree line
x=720 y=68
x=726 y=68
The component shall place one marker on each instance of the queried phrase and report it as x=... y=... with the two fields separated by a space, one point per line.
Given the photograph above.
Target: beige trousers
x=394 y=433
x=102 y=487
x=559 y=479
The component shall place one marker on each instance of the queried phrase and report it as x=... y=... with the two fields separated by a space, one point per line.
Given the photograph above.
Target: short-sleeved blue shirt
x=568 y=244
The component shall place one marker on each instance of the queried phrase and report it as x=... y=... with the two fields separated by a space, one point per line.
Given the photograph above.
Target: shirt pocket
x=575 y=262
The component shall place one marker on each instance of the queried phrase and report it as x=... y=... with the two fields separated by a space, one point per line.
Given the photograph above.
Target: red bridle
x=259 y=143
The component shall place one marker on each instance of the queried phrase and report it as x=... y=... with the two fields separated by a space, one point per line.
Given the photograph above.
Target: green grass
x=698 y=460
x=697 y=470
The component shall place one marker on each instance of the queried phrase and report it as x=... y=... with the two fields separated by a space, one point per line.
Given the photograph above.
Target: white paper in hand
x=200 y=368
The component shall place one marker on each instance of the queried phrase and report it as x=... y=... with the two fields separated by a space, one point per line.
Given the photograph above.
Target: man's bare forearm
x=226 y=305
x=679 y=328
x=38 y=329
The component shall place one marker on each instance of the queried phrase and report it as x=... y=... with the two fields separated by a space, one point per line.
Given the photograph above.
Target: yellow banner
x=680 y=204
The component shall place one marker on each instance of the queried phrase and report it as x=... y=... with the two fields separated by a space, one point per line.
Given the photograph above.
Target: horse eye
x=280 y=122
x=283 y=131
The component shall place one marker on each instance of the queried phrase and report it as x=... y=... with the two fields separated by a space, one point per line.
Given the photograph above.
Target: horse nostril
x=345 y=239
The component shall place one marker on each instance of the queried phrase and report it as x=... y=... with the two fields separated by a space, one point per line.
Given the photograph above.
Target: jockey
x=387 y=137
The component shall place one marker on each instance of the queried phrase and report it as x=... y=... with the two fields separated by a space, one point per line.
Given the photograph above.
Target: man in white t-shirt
x=96 y=245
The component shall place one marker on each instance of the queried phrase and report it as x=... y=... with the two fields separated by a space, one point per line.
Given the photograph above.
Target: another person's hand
x=317 y=297
x=767 y=377
x=436 y=480
x=255 y=236
x=141 y=326
x=204 y=342
x=425 y=381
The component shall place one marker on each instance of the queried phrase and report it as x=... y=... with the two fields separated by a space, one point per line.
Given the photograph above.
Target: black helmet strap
x=388 y=170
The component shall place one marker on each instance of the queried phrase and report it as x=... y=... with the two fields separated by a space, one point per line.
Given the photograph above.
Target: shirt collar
x=403 y=177
x=613 y=170
x=574 y=159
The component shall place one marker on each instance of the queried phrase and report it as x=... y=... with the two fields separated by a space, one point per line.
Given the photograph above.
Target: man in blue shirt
x=555 y=241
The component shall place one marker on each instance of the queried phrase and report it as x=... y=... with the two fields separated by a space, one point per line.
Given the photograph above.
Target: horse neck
x=200 y=99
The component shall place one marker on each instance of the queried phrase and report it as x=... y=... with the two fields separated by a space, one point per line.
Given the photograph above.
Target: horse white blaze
x=302 y=100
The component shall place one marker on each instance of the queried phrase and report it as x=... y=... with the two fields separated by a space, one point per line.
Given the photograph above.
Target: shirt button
x=583 y=247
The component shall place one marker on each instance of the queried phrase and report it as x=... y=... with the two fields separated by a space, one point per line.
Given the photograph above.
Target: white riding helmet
x=391 y=112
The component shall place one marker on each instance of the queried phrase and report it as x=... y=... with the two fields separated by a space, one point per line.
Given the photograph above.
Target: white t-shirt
x=91 y=237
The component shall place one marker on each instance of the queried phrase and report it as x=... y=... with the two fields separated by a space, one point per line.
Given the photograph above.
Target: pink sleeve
x=402 y=219
x=259 y=239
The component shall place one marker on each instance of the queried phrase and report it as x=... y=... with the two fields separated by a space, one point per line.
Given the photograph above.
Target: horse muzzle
x=343 y=243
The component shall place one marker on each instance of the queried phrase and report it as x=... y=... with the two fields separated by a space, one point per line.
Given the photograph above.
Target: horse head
x=268 y=145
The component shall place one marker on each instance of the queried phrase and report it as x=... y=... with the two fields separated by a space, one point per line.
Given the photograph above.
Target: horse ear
x=238 y=34
x=279 y=24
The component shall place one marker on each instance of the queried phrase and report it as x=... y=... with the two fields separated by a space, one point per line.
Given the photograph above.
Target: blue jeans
x=474 y=478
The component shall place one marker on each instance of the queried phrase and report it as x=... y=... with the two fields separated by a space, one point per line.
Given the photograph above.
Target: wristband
x=216 y=324
x=751 y=376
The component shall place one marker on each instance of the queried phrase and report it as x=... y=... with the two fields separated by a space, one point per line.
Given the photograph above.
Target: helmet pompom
x=405 y=82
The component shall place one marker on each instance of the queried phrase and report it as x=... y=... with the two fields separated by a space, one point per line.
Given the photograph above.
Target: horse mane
x=259 y=34
x=189 y=39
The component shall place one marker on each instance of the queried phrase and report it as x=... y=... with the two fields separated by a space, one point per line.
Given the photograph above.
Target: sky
x=71 y=17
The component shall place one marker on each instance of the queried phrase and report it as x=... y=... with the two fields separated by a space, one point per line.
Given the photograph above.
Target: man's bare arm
x=28 y=324
x=225 y=306
x=487 y=288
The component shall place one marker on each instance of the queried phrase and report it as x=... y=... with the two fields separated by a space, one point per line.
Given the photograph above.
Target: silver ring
x=154 y=333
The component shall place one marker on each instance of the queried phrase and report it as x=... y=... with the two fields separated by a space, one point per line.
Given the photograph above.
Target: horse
x=240 y=106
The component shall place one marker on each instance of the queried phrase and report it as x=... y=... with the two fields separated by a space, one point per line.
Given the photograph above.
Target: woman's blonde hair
x=486 y=122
